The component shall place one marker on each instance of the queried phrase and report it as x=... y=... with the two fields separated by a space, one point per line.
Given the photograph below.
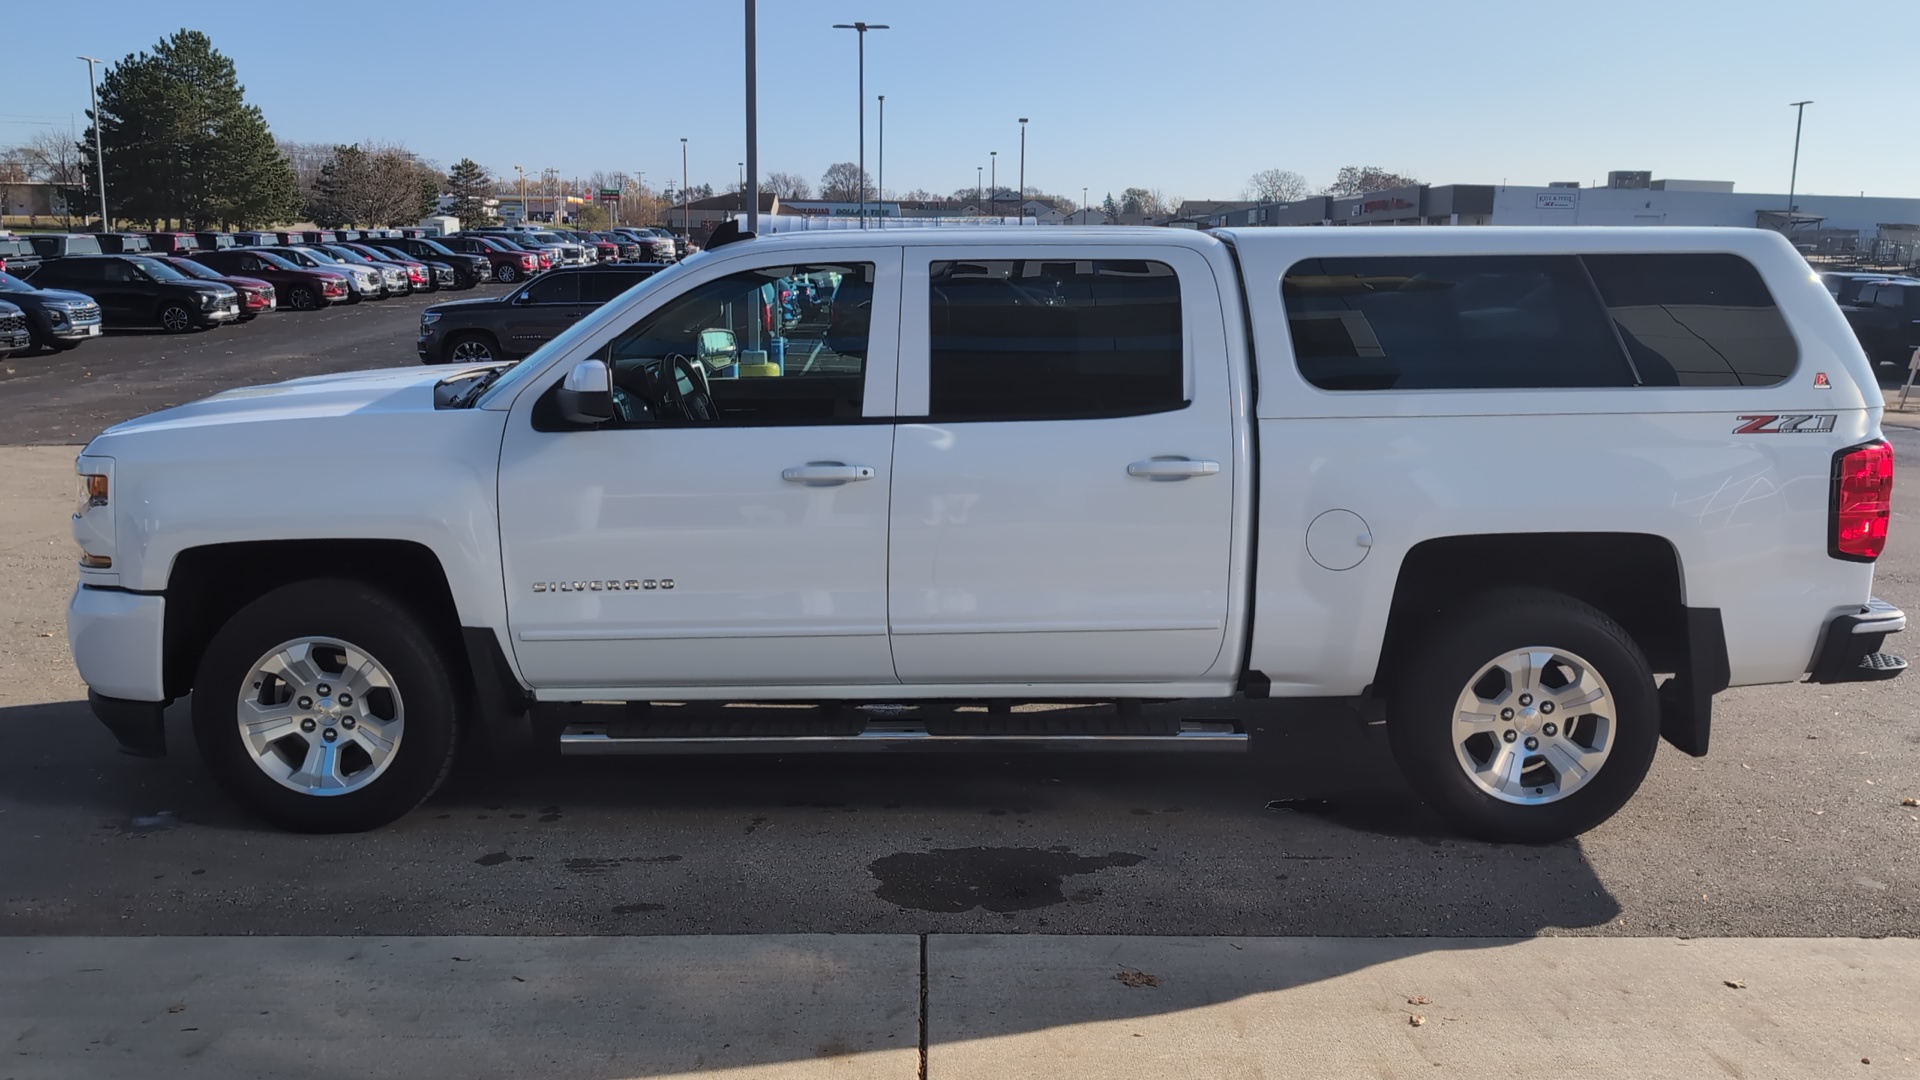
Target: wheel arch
x=1636 y=579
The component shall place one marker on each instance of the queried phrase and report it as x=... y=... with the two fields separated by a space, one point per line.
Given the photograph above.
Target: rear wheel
x=472 y=349
x=1525 y=716
x=507 y=273
x=325 y=706
x=175 y=318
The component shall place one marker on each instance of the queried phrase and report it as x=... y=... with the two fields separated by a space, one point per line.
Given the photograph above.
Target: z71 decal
x=1805 y=424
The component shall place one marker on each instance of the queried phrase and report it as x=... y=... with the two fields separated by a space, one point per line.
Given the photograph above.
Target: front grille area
x=86 y=313
x=13 y=324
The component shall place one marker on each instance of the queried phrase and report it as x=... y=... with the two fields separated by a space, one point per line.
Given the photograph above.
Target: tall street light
x=99 y=155
x=1083 y=205
x=1800 y=114
x=523 y=192
x=880 y=182
x=686 y=201
x=861 y=28
x=1023 y=170
x=993 y=180
x=979 y=172
x=752 y=164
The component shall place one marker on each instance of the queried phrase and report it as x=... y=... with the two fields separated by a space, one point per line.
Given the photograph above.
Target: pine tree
x=1111 y=209
x=469 y=185
x=183 y=145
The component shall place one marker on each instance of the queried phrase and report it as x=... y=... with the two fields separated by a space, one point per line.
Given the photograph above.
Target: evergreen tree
x=1111 y=209
x=340 y=194
x=469 y=185
x=182 y=144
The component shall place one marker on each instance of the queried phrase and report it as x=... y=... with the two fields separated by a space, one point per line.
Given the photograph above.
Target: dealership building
x=1818 y=224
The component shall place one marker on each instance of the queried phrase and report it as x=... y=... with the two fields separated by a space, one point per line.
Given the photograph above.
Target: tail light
x=531 y=262
x=1862 y=502
x=414 y=273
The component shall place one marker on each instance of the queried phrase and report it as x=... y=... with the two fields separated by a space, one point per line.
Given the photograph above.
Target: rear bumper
x=1850 y=649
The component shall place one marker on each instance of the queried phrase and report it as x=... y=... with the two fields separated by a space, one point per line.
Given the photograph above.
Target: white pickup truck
x=1531 y=497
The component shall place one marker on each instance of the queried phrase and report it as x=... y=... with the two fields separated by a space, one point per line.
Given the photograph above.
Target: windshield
x=194 y=269
x=275 y=259
x=9 y=283
x=160 y=271
x=578 y=332
x=437 y=247
x=317 y=255
x=348 y=255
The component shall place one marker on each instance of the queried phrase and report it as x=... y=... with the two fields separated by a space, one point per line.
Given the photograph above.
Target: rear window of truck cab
x=1460 y=322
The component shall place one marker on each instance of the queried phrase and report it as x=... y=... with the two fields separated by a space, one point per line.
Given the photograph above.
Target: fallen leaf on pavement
x=1736 y=984
x=1417 y=1020
x=1420 y=999
x=1135 y=979
x=1910 y=801
x=176 y=1008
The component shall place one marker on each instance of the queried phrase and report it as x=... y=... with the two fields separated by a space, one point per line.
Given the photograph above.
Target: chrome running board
x=897 y=735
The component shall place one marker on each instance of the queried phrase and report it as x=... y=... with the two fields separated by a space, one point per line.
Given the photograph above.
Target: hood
x=470 y=303
x=388 y=390
x=64 y=296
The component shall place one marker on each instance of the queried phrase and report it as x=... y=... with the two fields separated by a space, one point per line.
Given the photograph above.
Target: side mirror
x=718 y=349
x=586 y=394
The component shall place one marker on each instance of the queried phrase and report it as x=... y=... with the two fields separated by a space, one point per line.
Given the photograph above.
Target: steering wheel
x=697 y=405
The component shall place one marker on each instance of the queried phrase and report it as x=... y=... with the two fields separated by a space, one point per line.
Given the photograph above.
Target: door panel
x=1059 y=550
x=737 y=552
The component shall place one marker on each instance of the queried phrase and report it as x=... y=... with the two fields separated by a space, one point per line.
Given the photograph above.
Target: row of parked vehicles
x=58 y=290
x=1883 y=309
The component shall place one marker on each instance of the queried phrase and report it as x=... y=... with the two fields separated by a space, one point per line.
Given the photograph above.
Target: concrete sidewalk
x=986 y=1006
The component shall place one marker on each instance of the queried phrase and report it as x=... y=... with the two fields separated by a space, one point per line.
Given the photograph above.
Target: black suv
x=56 y=318
x=136 y=291
x=468 y=270
x=17 y=256
x=512 y=325
x=1885 y=316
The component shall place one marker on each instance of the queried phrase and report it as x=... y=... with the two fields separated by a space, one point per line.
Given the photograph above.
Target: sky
x=1188 y=98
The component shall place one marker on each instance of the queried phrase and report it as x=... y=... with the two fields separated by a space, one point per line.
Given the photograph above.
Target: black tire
x=506 y=274
x=380 y=626
x=1450 y=652
x=176 y=318
x=303 y=298
x=478 y=348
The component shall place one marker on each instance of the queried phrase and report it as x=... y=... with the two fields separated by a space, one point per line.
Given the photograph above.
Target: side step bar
x=894 y=736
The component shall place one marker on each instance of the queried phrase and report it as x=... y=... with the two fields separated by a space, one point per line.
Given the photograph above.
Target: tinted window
x=798 y=350
x=602 y=287
x=1032 y=338
x=1454 y=322
x=1695 y=320
x=553 y=289
x=74 y=270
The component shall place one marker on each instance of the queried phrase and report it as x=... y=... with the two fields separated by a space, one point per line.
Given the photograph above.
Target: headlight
x=56 y=316
x=93 y=492
x=427 y=319
x=92 y=530
x=208 y=299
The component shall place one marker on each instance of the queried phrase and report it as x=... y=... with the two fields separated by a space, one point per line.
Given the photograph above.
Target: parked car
x=295 y=287
x=257 y=239
x=312 y=236
x=610 y=520
x=507 y=266
x=52 y=246
x=56 y=318
x=469 y=269
x=514 y=324
x=14 y=335
x=363 y=282
x=123 y=243
x=17 y=256
x=625 y=248
x=133 y=290
x=257 y=295
x=656 y=244
x=552 y=250
x=216 y=241
x=427 y=276
x=1885 y=316
x=173 y=243
x=395 y=279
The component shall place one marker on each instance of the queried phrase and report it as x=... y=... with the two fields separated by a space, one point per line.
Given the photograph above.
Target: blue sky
x=1189 y=98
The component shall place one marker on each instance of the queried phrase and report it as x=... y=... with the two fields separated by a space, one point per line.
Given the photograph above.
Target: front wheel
x=325 y=706
x=507 y=274
x=176 y=319
x=1525 y=716
x=302 y=298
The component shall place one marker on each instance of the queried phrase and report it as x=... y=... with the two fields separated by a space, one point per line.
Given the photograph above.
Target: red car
x=297 y=287
x=256 y=296
x=508 y=266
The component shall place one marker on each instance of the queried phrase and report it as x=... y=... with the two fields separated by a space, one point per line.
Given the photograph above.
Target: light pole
x=1083 y=205
x=523 y=192
x=99 y=155
x=861 y=29
x=1022 y=201
x=1793 y=181
x=880 y=182
x=993 y=179
x=979 y=171
x=753 y=120
x=686 y=201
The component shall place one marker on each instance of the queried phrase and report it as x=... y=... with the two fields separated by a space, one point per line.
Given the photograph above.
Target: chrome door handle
x=1172 y=468
x=826 y=473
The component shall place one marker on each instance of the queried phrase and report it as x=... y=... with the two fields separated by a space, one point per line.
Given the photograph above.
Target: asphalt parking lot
x=1794 y=826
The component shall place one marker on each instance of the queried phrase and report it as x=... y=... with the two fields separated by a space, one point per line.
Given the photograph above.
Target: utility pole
x=1023 y=170
x=686 y=201
x=753 y=122
x=99 y=155
x=861 y=29
x=1800 y=114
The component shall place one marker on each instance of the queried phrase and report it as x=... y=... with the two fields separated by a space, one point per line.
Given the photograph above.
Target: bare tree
x=16 y=169
x=842 y=182
x=1360 y=179
x=788 y=185
x=1276 y=185
x=55 y=158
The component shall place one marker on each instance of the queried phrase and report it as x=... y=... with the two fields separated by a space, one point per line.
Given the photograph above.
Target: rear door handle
x=1172 y=468
x=826 y=473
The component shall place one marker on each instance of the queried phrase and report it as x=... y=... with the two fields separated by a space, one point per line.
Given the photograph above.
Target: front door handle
x=1172 y=468
x=826 y=473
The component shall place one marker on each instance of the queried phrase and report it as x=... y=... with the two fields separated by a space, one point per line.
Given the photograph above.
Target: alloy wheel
x=1534 y=726
x=320 y=716
x=176 y=318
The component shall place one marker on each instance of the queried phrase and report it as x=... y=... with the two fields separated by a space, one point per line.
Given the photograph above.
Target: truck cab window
x=1036 y=339
x=779 y=345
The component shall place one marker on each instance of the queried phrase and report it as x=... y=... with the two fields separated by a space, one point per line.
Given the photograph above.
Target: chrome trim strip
x=584 y=740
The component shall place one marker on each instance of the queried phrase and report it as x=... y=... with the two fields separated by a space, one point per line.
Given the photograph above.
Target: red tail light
x=531 y=262
x=1862 y=502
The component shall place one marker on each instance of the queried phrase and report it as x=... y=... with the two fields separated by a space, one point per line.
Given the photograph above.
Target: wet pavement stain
x=1003 y=880
x=494 y=858
x=637 y=909
x=601 y=866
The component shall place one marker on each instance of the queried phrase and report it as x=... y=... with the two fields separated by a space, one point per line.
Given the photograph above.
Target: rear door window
x=554 y=289
x=1695 y=319
x=602 y=287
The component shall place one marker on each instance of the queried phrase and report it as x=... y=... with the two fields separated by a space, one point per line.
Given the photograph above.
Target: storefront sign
x=1556 y=200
